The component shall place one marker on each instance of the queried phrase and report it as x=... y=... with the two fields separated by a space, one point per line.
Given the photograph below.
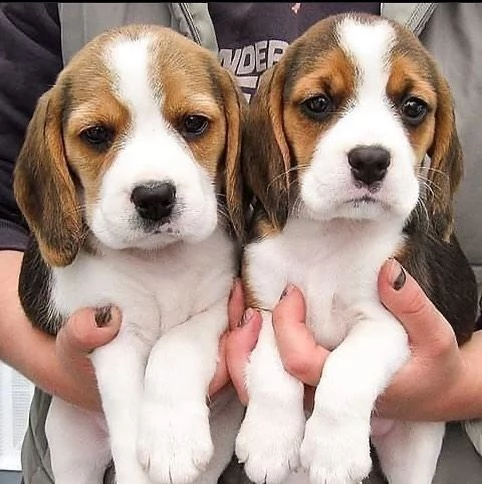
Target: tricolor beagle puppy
x=352 y=155
x=128 y=180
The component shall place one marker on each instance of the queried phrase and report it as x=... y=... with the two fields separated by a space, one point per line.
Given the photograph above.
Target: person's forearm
x=22 y=346
x=465 y=401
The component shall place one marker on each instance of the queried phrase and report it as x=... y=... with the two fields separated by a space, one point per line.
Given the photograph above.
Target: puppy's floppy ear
x=43 y=187
x=235 y=107
x=266 y=156
x=446 y=165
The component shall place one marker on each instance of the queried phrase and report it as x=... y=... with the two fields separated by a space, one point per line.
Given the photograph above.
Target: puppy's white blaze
x=152 y=151
x=129 y=61
x=368 y=47
x=328 y=186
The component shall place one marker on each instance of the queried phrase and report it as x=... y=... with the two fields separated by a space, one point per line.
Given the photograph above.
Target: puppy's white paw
x=336 y=450
x=268 y=443
x=174 y=444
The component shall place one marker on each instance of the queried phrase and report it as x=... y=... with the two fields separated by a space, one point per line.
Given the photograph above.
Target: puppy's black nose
x=154 y=201
x=369 y=163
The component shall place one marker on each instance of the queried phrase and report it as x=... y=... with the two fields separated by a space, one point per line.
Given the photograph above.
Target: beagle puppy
x=358 y=161
x=128 y=178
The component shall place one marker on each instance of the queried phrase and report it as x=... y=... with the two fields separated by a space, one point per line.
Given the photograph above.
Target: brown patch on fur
x=43 y=186
x=446 y=167
x=232 y=186
x=265 y=157
x=261 y=226
x=89 y=164
x=408 y=79
x=334 y=77
x=402 y=253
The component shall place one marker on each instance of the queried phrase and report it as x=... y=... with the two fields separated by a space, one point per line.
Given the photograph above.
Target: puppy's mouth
x=168 y=230
x=367 y=202
x=167 y=226
x=363 y=200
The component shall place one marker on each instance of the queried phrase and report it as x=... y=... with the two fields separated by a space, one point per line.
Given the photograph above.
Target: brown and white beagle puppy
x=129 y=180
x=352 y=156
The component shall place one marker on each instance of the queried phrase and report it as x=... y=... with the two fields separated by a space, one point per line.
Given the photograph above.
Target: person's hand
x=426 y=387
x=85 y=330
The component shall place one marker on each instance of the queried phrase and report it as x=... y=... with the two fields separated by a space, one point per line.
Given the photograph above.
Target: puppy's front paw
x=336 y=450
x=174 y=444
x=268 y=443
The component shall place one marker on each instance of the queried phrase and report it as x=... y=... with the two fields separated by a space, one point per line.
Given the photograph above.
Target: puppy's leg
x=78 y=443
x=336 y=445
x=271 y=433
x=120 y=367
x=225 y=419
x=174 y=441
x=408 y=453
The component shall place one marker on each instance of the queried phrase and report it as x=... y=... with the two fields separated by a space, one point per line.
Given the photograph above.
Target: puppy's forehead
x=367 y=46
x=363 y=47
x=120 y=59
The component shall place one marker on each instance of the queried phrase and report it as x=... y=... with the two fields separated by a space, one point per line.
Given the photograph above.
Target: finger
x=302 y=357
x=405 y=299
x=221 y=376
x=239 y=345
x=236 y=304
x=88 y=329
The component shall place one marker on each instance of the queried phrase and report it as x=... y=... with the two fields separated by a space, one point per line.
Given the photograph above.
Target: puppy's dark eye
x=317 y=107
x=194 y=125
x=99 y=137
x=413 y=110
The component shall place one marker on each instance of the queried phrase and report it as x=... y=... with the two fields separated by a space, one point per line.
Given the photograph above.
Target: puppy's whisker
x=277 y=177
x=297 y=206
x=77 y=209
x=422 y=214
x=436 y=170
x=426 y=185
x=432 y=189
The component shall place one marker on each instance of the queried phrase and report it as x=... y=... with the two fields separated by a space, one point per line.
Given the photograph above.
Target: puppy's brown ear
x=43 y=187
x=446 y=165
x=266 y=158
x=235 y=107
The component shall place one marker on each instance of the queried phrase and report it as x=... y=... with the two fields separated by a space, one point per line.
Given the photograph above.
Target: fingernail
x=286 y=291
x=247 y=317
x=103 y=316
x=399 y=281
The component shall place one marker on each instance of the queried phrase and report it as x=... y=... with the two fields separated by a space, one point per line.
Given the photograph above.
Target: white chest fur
x=173 y=284
x=335 y=265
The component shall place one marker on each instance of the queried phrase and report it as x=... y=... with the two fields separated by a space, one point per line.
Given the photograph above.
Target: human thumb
x=405 y=299
x=88 y=329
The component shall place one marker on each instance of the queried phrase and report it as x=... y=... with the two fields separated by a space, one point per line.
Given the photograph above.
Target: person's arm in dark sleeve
x=30 y=59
